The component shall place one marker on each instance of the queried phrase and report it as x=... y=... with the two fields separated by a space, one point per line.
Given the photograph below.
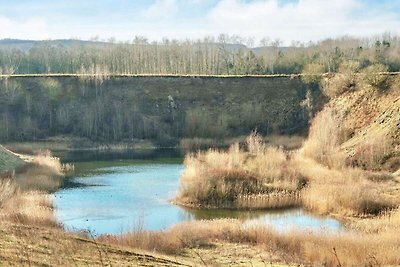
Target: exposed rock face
x=370 y=120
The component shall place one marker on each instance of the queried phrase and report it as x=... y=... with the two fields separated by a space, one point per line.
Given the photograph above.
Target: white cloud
x=161 y=9
x=304 y=20
x=30 y=28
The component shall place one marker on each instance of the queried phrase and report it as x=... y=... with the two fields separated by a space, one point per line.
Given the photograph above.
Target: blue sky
x=287 y=20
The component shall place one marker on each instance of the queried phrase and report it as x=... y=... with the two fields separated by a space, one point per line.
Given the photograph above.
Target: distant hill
x=28 y=44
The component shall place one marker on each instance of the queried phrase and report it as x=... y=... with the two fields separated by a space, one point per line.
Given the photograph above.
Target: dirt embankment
x=25 y=245
x=370 y=122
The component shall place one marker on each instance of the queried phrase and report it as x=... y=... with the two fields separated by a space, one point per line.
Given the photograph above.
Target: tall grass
x=345 y=192
x=7 y=190
x=29 y=207
x=371 y=154
x=22 y=199
x=318 y=177
x=43 y=173
x=314 y=249
x=32 y=208
x=324 y=140
x=256 y=176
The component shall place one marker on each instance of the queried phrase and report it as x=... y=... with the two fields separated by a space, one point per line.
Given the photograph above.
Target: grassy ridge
x=116 y=75
x=8 y=160
x=173 y=75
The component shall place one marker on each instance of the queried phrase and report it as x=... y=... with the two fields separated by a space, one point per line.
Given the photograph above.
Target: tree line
x=225 y=55
x=161 y=109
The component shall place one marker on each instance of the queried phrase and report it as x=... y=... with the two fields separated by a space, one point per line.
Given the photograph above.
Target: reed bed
x=30 y=208
x=24 y=197
x=308 y=248
x=317 y=177
x=254 y=177
x=275 y=200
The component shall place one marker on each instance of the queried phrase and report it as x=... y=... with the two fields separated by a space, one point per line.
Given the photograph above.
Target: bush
x=312 y=72
x=323 y=142
x=344 y=80
x=376 y=76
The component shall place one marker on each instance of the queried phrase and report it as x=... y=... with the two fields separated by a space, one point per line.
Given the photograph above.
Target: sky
x=286 y=20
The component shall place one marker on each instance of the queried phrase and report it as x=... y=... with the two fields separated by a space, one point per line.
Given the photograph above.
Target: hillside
x=159 y=109
x=26 y=245
x=8 y=160
x=370 y=121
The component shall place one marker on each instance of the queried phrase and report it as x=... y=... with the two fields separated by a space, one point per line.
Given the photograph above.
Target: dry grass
x=27 y=245
x=7 y=190
x=291 y=142
x=30 y=208
x=318 y=177
x=178 y=237
x=336 y=85
x=336 y=182
x=45 y=159
x=324 y=139
x=20 y=200
x=376 y=76
x=286 y=142
x=43 y=173
x=258 y=177
x=339 y=249
x=196 y=143
x=277 y=200
x=371 y=154
x=345 y=192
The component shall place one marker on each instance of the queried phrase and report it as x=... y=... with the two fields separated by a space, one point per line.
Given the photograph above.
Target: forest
x=224 y=55
x=103 y=107
x=161 y=109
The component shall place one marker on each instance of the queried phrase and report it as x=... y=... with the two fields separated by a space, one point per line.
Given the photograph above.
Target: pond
x=116 y=193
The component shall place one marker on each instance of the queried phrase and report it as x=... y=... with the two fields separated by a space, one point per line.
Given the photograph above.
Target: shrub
x=344 y=80
x=324 y=139
x=376 y=76
x=312 y=72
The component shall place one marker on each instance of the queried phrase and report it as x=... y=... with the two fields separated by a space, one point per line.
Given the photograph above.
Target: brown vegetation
x=337 y=172
x=28 y=245
x=329 y=249
x=253 y=178
x=331 y=174
x=20 y=200
x=316 y=178
x=42 y=172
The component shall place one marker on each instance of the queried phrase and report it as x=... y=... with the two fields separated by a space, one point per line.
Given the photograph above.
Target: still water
x=116 y=193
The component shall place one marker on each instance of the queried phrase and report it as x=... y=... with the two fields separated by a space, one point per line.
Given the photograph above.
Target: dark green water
x=119 y=192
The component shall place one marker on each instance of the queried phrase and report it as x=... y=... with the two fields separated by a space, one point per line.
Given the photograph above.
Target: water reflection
x=122 y=194
x=281 y=220
x=75 y=156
